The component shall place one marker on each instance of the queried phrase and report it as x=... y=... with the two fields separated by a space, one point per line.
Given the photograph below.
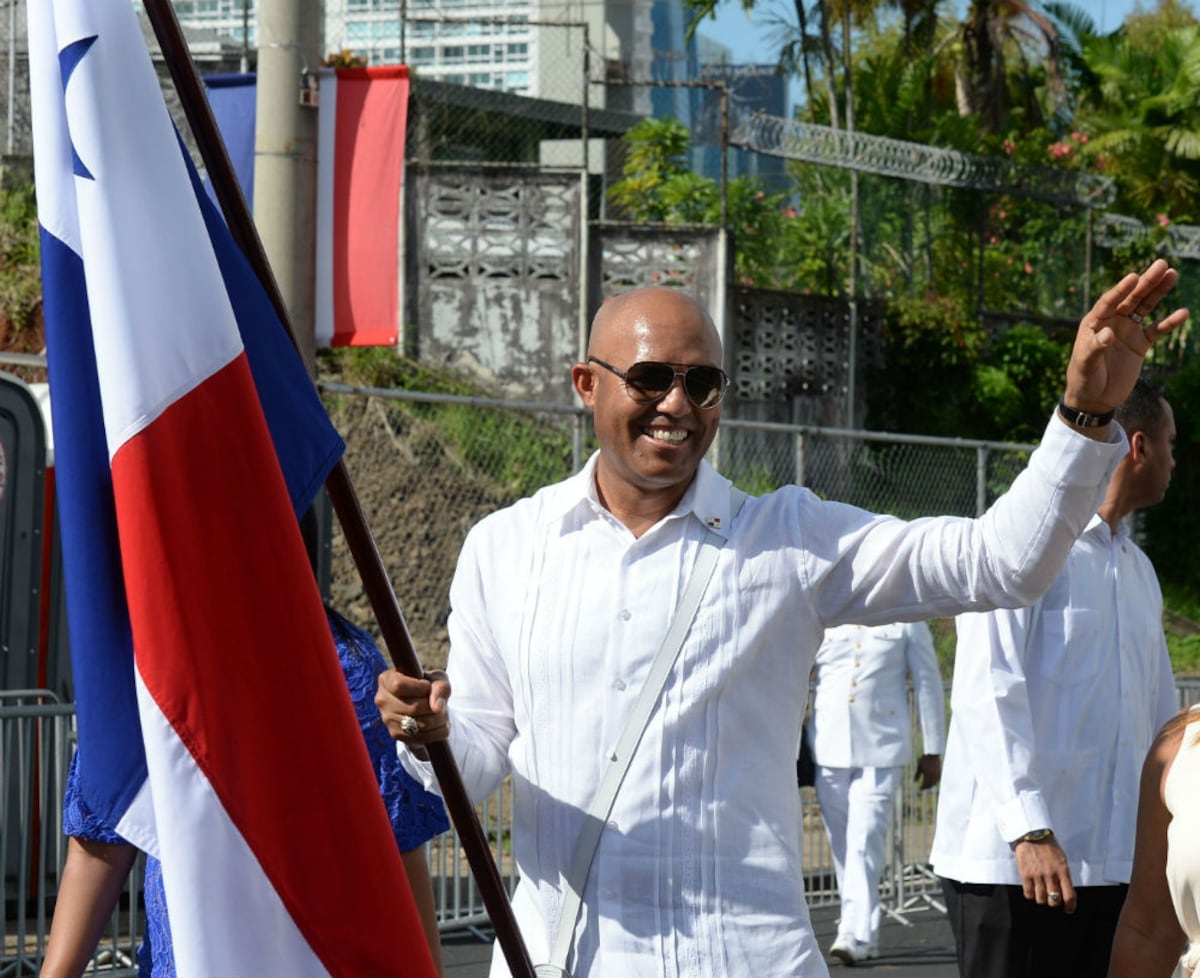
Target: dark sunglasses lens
x=649 y=381
x=704 y=386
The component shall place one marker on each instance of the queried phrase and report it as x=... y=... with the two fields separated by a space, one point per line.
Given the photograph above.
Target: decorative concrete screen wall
x=631 y=256
x=495 y=271
x=492 y=274
x=791 y=355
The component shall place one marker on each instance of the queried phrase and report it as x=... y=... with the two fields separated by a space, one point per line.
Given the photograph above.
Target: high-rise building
x=635 y=54
x=485 y=45
x=232 y=18
x=527 y=47
x=751 y=89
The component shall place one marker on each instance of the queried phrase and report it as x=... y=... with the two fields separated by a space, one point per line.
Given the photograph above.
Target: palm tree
x=995 y=34
x=1142 y=112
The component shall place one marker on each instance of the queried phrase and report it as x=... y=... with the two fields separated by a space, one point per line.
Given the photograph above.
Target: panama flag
x=215 y=730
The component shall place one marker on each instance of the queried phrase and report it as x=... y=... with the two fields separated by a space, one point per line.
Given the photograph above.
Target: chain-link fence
x=427 y=466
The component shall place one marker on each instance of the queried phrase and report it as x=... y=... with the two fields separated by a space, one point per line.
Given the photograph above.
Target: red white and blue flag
x=360 y=163
x=215 y=730
x=362 y=118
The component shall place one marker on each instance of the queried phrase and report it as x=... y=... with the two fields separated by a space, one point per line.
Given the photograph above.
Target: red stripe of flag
x=204 y=520
x=372 y=112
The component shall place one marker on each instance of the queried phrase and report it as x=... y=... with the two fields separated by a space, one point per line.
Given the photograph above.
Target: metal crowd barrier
x=37 y=738
x=457 y=898
x=34 y=744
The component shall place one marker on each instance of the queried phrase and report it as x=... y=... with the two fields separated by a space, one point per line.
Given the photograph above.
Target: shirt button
x=857 y=663
x=850 y=700
x=619 y=685
x=853 y=682
x=625 y=615
x=612 y=824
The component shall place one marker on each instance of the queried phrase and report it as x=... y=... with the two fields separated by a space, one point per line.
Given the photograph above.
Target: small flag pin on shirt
x=713 y=522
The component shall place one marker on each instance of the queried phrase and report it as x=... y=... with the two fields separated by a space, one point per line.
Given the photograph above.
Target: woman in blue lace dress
x=99 y=860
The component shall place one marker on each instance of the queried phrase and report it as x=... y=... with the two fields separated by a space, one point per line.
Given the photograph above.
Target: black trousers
x=1000 y=934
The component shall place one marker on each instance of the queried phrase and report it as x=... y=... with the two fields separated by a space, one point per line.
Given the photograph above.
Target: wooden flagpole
x=339 y=486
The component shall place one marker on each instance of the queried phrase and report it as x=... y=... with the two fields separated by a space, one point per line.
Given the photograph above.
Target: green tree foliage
x=1024 y=369
x=925 y=383
x=654 y=168
x=945 y=375
x=1011 y=65
x=813 y=256
x=1141 y=104
x=657 y=188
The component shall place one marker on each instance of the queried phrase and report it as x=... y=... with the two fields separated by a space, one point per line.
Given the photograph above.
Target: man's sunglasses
x=648 y=381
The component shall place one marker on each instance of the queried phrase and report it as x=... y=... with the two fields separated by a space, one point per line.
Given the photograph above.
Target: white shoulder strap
x=631 y=735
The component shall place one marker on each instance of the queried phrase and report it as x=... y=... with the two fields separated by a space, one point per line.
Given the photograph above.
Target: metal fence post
x=981 y=461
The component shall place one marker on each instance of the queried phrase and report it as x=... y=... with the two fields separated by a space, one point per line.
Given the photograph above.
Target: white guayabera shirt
x=557 y=614
x=1054 y=709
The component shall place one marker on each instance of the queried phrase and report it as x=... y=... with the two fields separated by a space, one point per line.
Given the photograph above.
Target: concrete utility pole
x=285 y=154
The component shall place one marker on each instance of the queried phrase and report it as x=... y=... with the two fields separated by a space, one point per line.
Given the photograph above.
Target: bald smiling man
x=561 y=603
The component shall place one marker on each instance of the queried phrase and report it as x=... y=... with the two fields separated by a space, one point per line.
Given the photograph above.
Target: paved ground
x=922 y=949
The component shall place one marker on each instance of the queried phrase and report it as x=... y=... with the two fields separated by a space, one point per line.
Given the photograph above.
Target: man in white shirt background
x=1054 y=707
x=561 y=602
x=861 y=736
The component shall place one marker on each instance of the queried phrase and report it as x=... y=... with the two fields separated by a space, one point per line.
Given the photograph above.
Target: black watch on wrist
x=1083 y=419
x=1037 y=835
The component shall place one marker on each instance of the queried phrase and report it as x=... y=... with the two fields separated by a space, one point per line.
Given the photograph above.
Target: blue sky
x=751 y=40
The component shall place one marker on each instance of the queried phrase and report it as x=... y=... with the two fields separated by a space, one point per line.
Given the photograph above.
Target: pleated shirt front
x=557 y=613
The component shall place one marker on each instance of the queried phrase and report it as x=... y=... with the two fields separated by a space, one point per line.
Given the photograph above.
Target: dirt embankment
x=419 y=501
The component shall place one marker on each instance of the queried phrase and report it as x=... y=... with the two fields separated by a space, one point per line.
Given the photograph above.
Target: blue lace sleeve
x=156 y=956
x=78 y=820
x=416 y=814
